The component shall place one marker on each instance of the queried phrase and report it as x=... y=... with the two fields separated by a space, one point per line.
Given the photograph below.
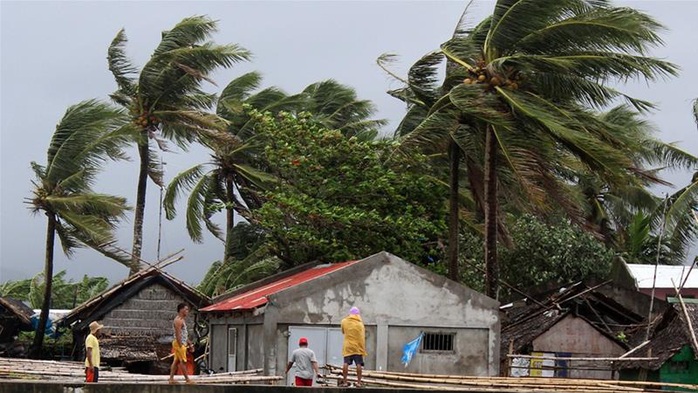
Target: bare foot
x=190 y=382
x=172 y=382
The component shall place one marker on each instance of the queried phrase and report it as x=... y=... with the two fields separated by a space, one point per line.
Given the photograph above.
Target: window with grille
x=438 y=342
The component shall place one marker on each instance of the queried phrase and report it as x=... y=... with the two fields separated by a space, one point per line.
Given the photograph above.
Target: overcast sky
x=53 y=55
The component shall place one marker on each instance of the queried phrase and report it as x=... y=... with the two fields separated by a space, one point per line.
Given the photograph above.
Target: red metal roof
x=258 y=297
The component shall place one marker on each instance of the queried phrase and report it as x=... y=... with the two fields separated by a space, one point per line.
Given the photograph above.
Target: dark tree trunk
x=229 y=218
x=140 y=206
x=491 y=206
x=453 y=218
x=48 y=278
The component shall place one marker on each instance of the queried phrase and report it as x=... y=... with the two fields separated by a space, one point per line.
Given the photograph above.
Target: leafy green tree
x=559 y=253
x=236 y=175
x=165 y=98
x=84 y=138
x=342 y=198
x=543 y=253
x=533 y=74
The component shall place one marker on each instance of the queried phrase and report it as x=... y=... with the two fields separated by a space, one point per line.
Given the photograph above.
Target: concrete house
x=259 y=325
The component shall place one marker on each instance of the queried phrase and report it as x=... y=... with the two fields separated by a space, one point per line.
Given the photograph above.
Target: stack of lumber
x=74 y=372
x=501 y=384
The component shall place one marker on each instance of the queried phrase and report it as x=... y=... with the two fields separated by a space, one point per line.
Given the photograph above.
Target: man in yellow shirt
x=354 y=348
x=92 y=353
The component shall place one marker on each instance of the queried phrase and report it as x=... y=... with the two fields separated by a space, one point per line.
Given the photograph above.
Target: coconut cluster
x=481 y=76
x=144 y=120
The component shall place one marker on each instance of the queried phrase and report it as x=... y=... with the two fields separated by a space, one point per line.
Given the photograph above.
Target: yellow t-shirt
x=354 y=336
x=92 y=342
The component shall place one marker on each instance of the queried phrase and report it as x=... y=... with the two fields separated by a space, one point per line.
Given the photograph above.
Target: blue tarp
x=410 y=349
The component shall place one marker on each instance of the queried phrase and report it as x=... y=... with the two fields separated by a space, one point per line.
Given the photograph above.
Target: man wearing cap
x=92 y=353
x=306 y=364
x=354 y=348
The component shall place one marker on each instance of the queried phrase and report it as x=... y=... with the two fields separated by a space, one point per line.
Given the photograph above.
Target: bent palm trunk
x=140 y=207
x=48 y=278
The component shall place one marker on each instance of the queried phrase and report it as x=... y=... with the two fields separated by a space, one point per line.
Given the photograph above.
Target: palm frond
x=121 y=67
x=184 y=180
x=79 y=141
x=195 y=207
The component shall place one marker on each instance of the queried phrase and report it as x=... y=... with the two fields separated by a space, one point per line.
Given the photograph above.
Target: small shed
x=259 y=325
x=15 y=316
x=137 y=315
x=673 y=346
x=579 y=321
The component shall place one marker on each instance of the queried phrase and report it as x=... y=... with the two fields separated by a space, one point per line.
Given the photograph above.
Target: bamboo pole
x=685 y=313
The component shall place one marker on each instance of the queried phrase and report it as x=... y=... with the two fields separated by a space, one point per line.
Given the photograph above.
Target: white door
x=325 y=342
x=335 y=339
x=232 y=348
x=317 y=341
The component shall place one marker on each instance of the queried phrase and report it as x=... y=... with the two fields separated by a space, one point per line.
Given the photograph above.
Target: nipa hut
x=15 y=316
x=672 y=346
x=579 y=321
x=137 y=314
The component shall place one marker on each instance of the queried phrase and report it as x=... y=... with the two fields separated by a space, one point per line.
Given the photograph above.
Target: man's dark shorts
x=356 y=359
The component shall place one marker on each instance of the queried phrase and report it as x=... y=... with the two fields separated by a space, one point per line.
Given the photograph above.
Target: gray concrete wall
x=468 y=358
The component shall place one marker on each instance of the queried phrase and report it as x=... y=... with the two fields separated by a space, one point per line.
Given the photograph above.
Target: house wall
x=392 y=293
x=577 y=337
x=680 y=368
x=151 y=310
x=250 y=332
x=468 y=358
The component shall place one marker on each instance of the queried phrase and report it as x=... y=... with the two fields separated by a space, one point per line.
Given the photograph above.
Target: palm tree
x=534 y=73
x=681 y=216
x=84 y=138
x=215 y=186
x=337 y=107
x=165 y=99
x=629 y=216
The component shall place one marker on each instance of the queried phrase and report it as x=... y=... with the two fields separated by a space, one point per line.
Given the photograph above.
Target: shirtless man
x=181 y=343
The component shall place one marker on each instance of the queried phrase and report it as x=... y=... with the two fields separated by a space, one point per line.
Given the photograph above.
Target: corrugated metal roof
x=644 y=276
x=257 y=297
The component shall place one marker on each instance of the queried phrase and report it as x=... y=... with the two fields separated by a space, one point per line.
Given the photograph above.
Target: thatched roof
x=523 y=324
x=669 y=334
x=17 y=308
x=94 y=309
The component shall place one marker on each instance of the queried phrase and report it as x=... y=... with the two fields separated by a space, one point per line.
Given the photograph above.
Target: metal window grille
x=438 y=342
